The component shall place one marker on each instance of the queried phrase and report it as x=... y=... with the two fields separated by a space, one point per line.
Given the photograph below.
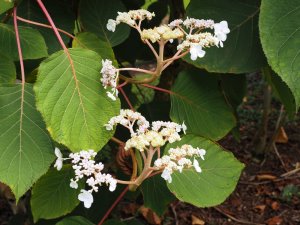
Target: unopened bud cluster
x=142 y=135
x=86 y=168
x=178 y=159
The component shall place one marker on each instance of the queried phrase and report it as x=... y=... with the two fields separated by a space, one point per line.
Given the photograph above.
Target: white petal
x=111 y=96
x=111 y=25
x=58 y=163
x=196 y=166
x=166 y=174
x=73 y=184
x=86 y=197
x=58 y=153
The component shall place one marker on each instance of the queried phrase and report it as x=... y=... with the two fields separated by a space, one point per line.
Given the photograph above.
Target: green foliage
x=73 y=102
x=198 y=102
x=219 y=176
x=156 y=194
x=61 y=10
x=90 y=41
x=94 y=15
x=74 y=220
x=7 y=70
x=51 y=189
x=32 y=42
x=279 y=26
x=242 y=51
x=5 y=5
x=25 y=147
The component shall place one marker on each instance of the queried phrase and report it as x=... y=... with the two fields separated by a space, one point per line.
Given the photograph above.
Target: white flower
x=111 y=96
x=73 y=184
x=196 y=166
x=111 y=25
x=166 y=174
x=184 y=128
x=201 y=153
x=86 y=197
x=59 y=161
x=196 y=51
x=221 y=31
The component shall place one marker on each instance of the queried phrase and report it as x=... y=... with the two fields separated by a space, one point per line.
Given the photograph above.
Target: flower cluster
x=129 y=18
x=128 y=119
x=144 y=136
x=86 y=168
x=109 y=78
x=195 y=40
x=178 y=159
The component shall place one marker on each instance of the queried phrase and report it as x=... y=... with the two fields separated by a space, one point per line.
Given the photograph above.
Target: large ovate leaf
x=52 y=195
x=75 y=220
x=90 y=41
x=218 y=179
x=5 y=5
x=242 y=50
x=198 y=102
x=72 y=100
x=62 y=13
x=156 y=194
x=26 y=150
x=32 y=42
x=94 y=15
x=279 y=30
x=7 y=70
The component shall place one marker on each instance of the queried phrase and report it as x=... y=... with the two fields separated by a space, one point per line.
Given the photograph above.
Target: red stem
x=113 y=205
x=19 y=46
x=126 y=98
x=60 y=40
x=157 y=88
x=45 y=25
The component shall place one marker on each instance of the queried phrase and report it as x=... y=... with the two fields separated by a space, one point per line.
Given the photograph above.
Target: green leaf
x=234 y=88
x=7 y=70
x=219 y=176
x=52 y=196
x=156 y=194
x=280 y=19
x=91 y=41
x=73 y=102
x=61 y=12
x=5 y=5
x=75 y=220
x=94 y=15
x=32 y=42
x=197 y=101
x=242 y=50
x=143 y=95
x=26 y=150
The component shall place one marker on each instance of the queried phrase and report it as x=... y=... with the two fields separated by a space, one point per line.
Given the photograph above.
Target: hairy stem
x=46 y=26
x=19 y=45
x=113 y=205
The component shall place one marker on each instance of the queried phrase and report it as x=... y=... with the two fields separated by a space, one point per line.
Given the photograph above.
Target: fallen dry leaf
x=281 y=136
x=150 y=216
x=275 y=206
x=197 y=221
x=260 y=208
x=276 y=220
x=266 y=177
